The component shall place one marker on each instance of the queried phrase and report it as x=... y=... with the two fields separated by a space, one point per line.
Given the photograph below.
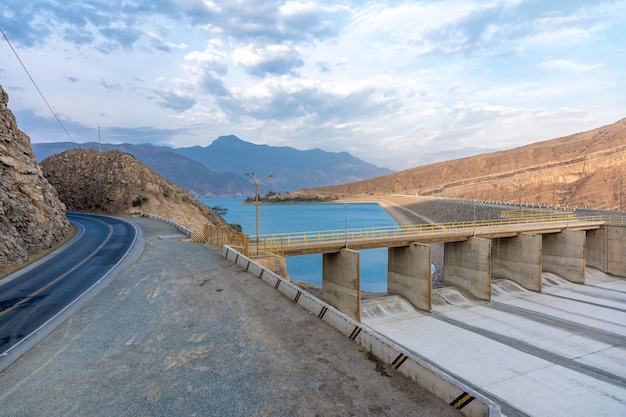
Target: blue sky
x=396 y=83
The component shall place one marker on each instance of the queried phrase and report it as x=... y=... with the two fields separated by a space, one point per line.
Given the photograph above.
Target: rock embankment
x=114 y=182
x=32 y=218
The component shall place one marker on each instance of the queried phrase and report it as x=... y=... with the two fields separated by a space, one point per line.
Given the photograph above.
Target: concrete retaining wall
x=518 y=259
x=427 y=375
x=278 y=264
x=409 y=274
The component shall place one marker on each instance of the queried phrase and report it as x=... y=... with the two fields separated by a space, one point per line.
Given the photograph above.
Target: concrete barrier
x=426 y=374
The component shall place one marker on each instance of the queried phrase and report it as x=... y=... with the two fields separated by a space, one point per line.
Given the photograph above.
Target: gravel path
x=183 y=332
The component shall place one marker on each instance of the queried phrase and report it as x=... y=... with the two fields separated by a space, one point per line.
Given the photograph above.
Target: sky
x=395 y=83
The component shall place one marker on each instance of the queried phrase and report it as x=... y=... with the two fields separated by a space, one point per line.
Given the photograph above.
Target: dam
x=508 y=325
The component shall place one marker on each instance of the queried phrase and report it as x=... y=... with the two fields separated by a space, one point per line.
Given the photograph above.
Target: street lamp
x=520 y=197
x=345 y=207
x=257 y=182
x=567 y=209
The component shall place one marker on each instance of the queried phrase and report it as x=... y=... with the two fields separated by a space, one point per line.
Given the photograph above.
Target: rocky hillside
x=114 y=182
x=189 y=174
x=32 y=218
x=584 y=170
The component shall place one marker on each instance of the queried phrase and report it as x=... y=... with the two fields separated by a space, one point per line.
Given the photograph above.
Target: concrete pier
x=518 y=259
x=410 y=274
x=467 y=265
x=341 y=281
x=564 y=254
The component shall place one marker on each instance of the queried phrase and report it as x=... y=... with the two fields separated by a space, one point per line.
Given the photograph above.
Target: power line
x=36 y=87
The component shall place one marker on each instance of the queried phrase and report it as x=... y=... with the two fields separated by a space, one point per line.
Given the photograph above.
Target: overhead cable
x=36 y=87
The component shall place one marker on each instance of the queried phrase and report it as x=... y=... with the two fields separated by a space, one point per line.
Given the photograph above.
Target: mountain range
x=585 y=169
x=218 y=170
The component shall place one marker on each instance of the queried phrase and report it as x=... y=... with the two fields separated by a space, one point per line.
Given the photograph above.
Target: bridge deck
x=328 y=241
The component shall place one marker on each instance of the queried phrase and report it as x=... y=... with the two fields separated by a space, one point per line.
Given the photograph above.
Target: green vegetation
x=220 y=211
x=288 y=200
x=274 y=198
x=139 y=200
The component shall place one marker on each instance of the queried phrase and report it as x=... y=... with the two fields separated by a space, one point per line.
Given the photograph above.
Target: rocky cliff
x=584 y=170
x=32 y=218
x=114 y=182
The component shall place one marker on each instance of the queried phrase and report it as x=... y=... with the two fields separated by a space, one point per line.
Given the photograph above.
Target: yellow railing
x=275 y=242
x=220 y=236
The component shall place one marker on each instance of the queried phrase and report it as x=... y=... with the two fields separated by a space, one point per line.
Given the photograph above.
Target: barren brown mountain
x=32 y=218
x=114 y=182
x=583 y=170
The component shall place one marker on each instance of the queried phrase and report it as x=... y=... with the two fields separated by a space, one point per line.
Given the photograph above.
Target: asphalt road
x=31 y=299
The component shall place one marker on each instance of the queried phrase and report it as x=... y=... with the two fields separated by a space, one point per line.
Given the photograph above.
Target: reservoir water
x=281 y=218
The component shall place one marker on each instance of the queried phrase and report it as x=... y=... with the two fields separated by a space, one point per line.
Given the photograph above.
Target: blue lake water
x=281 y=218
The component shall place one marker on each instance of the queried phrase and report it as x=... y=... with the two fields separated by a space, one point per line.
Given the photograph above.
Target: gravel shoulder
x=184 y=332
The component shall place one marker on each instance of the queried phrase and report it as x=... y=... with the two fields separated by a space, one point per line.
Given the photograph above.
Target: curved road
x=31 y=300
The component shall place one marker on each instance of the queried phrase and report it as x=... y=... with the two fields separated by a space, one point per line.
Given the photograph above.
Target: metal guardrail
x=179 y=226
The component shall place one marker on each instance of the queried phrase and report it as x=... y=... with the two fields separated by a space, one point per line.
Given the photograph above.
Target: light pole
x=257 y=182
x=621 y=193
x=345 y=207
x=567 y=209
x=520 y=197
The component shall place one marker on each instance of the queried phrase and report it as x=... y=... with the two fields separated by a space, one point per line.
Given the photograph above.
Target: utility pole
x=345 y=207
x=257 y=182
x=621 y=192
x=520 y=197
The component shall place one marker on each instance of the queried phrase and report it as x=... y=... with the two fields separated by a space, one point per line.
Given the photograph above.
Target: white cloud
x=268 y=59
x=568 y=65
x=386 y=81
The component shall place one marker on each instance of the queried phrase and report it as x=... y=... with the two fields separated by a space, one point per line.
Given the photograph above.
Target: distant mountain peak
x=218 y=169
x=228 y=139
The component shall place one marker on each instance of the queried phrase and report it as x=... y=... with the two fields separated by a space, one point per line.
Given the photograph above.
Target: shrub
x=139 y=200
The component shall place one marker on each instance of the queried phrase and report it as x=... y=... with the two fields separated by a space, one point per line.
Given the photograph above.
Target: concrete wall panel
x=564 y=254
x=616 y=250
x=278 y=264
x=595 y=249
x=341 y=281
x=467 y=265
x=409 y=274
x=518 y=259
